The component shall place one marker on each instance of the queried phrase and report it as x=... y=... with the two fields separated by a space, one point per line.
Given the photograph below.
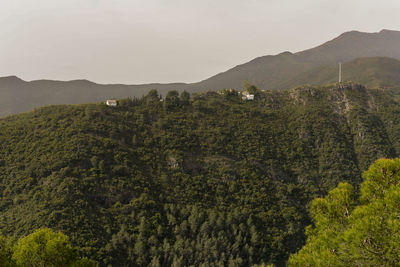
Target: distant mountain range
x=369 y=58
x=284 y=70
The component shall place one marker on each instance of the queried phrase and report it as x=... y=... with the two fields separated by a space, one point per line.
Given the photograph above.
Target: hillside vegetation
x=203 y=180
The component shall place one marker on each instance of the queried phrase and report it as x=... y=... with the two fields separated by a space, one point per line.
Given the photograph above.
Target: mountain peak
x=389 y=31
x=286 y=53
x=11 y=80
x=355 y=33
x=352 y=32
x=81 y=82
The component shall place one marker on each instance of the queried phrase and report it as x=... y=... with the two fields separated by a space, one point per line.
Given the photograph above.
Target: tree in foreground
x=356 y=232
x=45 y=247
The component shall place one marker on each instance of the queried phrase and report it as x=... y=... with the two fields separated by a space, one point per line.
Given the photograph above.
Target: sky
x=134 y=42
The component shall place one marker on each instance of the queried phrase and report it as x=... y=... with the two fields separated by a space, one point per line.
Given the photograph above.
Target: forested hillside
x=205 y=179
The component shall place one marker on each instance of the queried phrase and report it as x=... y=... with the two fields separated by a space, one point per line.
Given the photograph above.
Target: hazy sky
x=131 y=41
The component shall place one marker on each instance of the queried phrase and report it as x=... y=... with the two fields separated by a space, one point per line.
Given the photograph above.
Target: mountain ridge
x=276 y=72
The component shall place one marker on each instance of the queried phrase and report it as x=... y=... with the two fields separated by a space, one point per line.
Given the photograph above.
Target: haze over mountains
x=370 y=58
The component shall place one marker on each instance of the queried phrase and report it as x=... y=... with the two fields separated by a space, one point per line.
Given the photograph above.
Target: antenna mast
x=340 y=72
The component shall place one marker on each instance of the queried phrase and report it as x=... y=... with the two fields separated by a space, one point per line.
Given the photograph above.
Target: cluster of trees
x=43 y=247
x=352 y=229
x=204 y=179
x=194 y=236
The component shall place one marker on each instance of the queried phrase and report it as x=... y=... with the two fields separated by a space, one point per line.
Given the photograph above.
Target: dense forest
x=190 y=180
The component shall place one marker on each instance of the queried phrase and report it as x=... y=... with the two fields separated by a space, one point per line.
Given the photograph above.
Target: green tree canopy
x=172 y=100
x=153 y=96
x=185 y=96
x=252 y=89
x=367 y=234
x=47 y=248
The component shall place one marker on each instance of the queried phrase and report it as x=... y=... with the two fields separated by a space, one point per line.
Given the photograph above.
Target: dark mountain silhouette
x=17 y=95
x=314 y=66
x=273 y=72
x=372 y=72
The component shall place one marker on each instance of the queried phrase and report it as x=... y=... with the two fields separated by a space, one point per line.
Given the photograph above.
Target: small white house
x=248 y=97
x=111 y=103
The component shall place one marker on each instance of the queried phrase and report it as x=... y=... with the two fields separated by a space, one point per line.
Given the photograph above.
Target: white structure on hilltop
x=111 y=103
x=247 y=97
x=250 y=97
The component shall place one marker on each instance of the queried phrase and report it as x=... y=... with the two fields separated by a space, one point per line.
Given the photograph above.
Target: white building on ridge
x=247 y=96
x=111 y=103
